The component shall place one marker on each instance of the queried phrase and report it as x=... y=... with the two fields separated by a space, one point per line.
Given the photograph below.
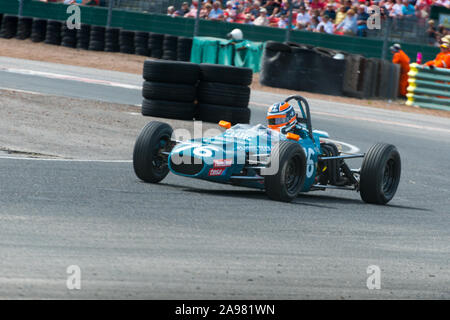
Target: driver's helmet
x=281 y=117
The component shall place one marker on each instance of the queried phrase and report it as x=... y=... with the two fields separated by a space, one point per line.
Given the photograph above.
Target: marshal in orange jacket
x=402 y=59
x=442 y=60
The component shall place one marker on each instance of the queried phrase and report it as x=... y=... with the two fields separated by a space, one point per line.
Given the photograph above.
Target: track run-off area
x=189 y=239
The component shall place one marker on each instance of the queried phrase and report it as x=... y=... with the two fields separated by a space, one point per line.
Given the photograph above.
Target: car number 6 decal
x=310 y=163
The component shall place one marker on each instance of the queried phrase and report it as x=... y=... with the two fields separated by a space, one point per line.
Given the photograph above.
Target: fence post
x=20 y=8
x=386 y=38
x=110 y=8
x=289 y=28
x=197 y=19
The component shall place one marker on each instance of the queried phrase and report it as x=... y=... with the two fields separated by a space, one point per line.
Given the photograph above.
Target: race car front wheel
x=284 y=178
x=380 y=174
x=150 y=165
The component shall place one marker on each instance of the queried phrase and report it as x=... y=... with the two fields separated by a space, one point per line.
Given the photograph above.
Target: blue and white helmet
x=281 y=117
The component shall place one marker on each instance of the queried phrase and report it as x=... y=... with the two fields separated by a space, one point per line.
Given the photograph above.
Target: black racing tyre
x=223 y=94
x=171 y=71
x=225 y=74
x=24 y=28
x=168 y=109
x=380 y=174
x=215 y=113
x=286 y=183
x=38 y=30
x=277 y=46
x=172 y=91
x=148 y=162
x=9 y=26
x=169 y=55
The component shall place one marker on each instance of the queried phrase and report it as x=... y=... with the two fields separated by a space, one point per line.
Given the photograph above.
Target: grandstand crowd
x=327 y=16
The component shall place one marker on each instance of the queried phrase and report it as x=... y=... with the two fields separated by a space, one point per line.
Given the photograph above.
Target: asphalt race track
x=188 y=239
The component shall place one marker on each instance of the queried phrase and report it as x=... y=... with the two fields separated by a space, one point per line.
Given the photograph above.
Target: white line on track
x=65 y=160
x=72 y=78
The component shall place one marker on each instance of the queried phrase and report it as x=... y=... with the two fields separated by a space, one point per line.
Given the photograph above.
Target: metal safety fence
x=429 y=87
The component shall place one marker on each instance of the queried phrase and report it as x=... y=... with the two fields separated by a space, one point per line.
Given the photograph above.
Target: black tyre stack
x=170 y=46
x=184 y=49
x=1 y=17
x=126 y=41
x=224 y=93
x=53 y=34
x=141 y=43
x=169 y=89
x=9 y=26
x=69 y=37
x=97 y=38
x=83 y=36
x=38 y=30
x=112 y=39
x=24 y=28
x=155 y=45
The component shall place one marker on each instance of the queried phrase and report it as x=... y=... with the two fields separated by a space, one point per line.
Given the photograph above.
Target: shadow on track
x=313 y=200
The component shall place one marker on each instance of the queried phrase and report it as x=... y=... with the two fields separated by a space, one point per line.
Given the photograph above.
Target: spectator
x=230 y=13
x=397 y=9
x=254 y=11
x=205 y=11
x=248 y=19
x=272 y=7
x=340 y=16
x=408 y=9
x=183 y=10
x=348 y=26
x=171 y=11
x=262 y=20
x=330 y=11
x=317 y=5
x=361 y=20
x=216 y=13
x=325 y=26
x=432 y=33
x=303 y=18
x=313 y=24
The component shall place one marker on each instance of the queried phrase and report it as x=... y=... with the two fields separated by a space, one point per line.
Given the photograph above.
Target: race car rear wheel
x=149 y=164
x=286 y=183
x=380 y=174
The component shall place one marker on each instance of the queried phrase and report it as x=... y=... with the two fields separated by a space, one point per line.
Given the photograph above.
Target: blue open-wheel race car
x=284 y=158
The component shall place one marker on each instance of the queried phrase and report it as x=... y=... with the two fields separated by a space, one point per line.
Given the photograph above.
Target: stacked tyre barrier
x=370 y=78
x=184 y=48
x=300 y=67
x=9 y=26
x=224 y=93
x=112 y=36
x=126 y=41
x=169 y=89
x=83 y=36
x=69 y=37
x=53 y=34
x=141 y=43
x=170 y=45
x=38 y=30
x=97 y=38
x=24 y=28
x=428 y=88
x=185 y=90
x=155 y=44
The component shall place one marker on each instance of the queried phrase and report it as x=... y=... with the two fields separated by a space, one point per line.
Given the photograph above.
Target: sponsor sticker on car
x=222 y=163
x=216 y=172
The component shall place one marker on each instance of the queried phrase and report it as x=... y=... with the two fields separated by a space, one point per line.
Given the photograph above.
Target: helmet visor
x=277 y=121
